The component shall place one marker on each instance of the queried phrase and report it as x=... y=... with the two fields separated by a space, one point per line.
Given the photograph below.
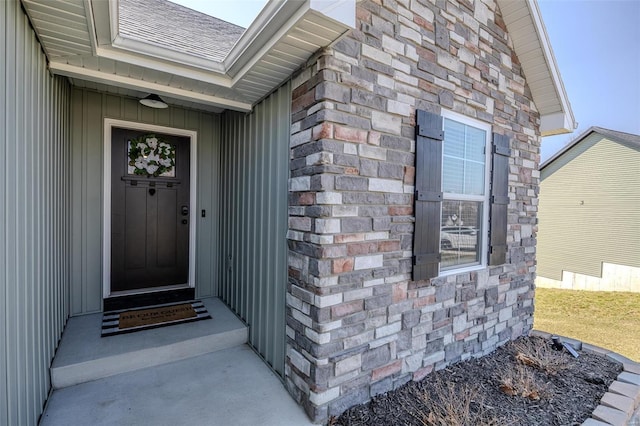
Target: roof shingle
x=175 y=27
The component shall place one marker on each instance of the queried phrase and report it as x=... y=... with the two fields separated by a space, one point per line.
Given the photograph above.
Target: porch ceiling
x=84 y=40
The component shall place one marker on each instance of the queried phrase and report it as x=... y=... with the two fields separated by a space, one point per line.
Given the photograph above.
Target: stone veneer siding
x=357 y=325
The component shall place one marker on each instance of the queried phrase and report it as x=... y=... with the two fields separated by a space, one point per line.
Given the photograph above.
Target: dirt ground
x=525 y=382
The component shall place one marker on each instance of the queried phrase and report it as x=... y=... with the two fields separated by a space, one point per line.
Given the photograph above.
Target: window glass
x=463 y=167
x=452 y=182
x=460 y=233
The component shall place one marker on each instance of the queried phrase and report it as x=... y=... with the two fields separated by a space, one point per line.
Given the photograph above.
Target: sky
x=597 y=48
x=239 y=12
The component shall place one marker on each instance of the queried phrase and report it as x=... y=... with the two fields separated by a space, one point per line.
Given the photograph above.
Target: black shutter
x=499 y=200
x=428 y=195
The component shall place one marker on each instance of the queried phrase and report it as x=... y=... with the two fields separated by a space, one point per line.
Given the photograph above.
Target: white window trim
x=486 y=199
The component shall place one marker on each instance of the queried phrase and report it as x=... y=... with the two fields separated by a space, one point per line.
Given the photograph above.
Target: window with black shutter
x=461 y=195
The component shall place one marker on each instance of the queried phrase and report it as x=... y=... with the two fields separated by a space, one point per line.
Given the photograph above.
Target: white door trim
x=109 y=124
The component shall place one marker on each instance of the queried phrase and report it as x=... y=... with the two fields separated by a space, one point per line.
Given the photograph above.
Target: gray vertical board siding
x=34 y=218
x=253 y=223
x=589 y=203
x=3 y=264
x=89 y=109
x=208 y=163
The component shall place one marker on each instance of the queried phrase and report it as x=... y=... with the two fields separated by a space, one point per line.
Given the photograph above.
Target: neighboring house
x=589 y=213
x=319 y=154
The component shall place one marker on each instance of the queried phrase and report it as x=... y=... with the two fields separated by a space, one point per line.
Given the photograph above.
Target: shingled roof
x=172 y=26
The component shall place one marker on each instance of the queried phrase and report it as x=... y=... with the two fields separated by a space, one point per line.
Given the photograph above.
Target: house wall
x=253 y=221
x=357 y=325
x=34 y=218
x=614 y=278
x=589 y=201
x=89 y=109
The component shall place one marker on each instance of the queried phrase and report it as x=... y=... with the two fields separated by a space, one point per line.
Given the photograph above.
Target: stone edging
x=618 y=405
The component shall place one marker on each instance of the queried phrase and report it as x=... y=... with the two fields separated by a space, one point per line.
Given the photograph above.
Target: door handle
x=185 y=210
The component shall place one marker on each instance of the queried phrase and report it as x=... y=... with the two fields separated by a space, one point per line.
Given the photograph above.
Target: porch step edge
x=74 y=374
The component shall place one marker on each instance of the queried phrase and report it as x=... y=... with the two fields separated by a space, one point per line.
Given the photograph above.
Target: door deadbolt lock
x=152 y=191
x=185 y=210
x=184 y=221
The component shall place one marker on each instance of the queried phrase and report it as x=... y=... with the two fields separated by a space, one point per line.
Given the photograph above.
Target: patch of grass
x=607 y=319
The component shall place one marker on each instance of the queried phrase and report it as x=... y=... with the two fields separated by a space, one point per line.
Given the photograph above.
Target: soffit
x=82 y=40
x=61 y=27
x=531 y=43
x=137 y=94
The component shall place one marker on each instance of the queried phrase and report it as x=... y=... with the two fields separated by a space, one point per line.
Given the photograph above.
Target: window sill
x=464 y=270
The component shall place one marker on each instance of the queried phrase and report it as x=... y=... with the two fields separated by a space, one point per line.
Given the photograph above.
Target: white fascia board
x=161 y=52
x=163 y=66
x=569 y=122
x=141 y=85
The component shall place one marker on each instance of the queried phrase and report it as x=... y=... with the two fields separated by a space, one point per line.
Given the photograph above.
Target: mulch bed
x=507 y=386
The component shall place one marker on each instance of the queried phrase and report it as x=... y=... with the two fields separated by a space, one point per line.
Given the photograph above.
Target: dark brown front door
x=149 y=210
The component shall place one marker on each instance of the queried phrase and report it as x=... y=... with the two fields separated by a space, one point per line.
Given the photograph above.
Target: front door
x=149 y=210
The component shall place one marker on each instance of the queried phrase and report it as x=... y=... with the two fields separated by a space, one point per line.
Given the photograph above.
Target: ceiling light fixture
x=154 y=101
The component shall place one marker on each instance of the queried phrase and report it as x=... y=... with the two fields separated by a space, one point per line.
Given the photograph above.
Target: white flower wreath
x=150 y=156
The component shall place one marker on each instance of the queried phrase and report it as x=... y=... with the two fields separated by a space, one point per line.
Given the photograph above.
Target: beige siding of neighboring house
x=589 y=207
x=89 y=109
x=34 y=218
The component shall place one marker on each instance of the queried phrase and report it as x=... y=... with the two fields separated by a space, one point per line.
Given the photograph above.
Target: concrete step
x=84 y=356
x=232 y=387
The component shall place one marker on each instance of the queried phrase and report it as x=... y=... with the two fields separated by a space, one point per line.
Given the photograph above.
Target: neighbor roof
x=613 y=135
x=190 y=32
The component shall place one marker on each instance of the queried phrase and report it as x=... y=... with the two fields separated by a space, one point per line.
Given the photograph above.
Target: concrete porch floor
x=212 y=385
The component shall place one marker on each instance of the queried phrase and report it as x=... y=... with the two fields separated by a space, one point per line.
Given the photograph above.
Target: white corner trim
x=109 y=124
x=135 y=84
x=114 y=18
x=556 y=124
x=93 y=38
x=552 y=65
x=342 y=11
